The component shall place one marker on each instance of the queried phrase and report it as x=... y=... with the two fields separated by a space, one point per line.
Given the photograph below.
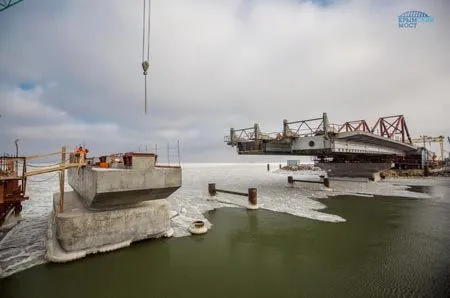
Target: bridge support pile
x=251 y=194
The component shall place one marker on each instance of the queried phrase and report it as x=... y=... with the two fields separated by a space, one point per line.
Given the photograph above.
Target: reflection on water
x=388 y=247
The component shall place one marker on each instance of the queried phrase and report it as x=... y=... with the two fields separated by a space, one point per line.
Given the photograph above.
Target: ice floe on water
x=24 y=245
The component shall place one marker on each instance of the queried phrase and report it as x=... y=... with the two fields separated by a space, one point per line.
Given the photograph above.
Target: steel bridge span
x=349 y=149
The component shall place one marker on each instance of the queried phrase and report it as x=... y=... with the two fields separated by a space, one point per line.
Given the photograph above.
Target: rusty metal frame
x=12 y=192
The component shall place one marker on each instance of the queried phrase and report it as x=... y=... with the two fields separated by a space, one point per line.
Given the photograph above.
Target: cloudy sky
x=70 y=70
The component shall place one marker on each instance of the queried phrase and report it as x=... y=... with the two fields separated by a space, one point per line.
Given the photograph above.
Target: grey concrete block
x=363 y=169
x=78 y=227
x=105 y=187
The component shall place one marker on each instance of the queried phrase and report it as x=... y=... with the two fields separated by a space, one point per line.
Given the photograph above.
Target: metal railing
x=168 y=154
x=303 y=128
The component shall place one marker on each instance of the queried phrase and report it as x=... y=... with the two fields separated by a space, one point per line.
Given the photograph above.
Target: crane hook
x=145 y=66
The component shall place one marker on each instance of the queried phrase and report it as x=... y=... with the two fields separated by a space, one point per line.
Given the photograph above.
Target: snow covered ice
x=24 y=245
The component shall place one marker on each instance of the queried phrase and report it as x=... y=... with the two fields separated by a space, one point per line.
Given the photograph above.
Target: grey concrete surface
x=106 y=187
x=368 y=170
x=80 y=228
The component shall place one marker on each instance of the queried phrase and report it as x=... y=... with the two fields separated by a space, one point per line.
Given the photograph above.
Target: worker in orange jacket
x=81 y=153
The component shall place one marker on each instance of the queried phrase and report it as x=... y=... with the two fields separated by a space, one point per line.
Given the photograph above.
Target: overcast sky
x=70 y=71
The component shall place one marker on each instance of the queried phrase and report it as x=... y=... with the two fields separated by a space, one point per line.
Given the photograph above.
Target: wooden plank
x=53 y=169
x=61 y=181
x=42 y=171
x=24 y=180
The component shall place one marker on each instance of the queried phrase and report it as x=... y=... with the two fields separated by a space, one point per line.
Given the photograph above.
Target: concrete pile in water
x=112 y=207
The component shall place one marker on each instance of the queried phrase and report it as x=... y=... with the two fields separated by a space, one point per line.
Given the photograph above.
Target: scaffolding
x=14 y=174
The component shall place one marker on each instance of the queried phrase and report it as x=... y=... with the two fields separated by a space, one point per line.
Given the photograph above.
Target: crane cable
x=146 y=63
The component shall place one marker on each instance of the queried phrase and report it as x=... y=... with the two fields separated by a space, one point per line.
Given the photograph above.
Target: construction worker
x=81 y=153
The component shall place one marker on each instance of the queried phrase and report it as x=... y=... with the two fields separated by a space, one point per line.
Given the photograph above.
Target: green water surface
x=389 y=247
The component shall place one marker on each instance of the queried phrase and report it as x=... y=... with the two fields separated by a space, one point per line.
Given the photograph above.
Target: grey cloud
x=213 y=68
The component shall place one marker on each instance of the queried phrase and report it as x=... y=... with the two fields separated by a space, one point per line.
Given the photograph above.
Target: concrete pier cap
x=140 y=179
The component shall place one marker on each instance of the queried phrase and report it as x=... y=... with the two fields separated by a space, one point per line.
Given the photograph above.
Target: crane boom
x=4 y=4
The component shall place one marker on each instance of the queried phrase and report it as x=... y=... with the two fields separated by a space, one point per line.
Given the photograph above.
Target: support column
x=62 y=179
x=231 y=135
x=285 y=128
x=212 y=189
x=325 y=125
x=290 y=180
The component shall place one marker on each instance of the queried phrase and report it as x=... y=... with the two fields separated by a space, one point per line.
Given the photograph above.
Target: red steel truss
x=389 y=127
x=354 y=126
x=392 y=126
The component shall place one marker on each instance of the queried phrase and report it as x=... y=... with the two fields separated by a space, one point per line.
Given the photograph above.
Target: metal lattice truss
x=391 y=127
x=241 y=135
x=250 y=134
x=360 y=125
x=244 y=134
x=4 y=4
x=304 y=128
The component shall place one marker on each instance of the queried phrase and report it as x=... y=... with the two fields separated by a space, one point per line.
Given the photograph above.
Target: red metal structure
x=12 y=186
x=355 y=126
x=388 y=127
x=392 y=126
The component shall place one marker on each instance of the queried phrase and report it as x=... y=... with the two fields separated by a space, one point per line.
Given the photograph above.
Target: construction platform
x=125 y=183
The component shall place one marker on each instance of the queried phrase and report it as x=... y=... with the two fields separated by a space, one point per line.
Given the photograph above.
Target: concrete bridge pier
x=112 y=207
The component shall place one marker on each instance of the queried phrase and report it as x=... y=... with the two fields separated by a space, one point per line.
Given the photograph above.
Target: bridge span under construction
x=352 y=149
